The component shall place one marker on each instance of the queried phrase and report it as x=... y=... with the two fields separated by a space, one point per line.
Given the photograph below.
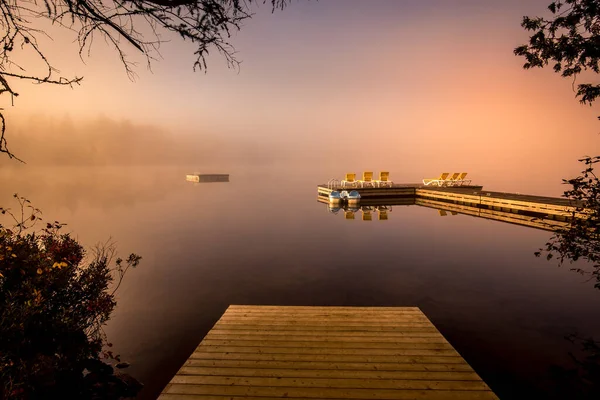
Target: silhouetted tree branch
x=206 y=23
x=570 y=41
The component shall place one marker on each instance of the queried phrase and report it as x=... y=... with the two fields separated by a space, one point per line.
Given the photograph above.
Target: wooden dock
x=507 y=215
x=270 y=352
x=474 y=196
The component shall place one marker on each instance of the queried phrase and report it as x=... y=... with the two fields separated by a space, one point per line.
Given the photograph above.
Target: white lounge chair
x=436 y=181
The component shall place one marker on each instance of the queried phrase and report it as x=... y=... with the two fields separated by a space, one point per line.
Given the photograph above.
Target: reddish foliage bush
x=53 y=305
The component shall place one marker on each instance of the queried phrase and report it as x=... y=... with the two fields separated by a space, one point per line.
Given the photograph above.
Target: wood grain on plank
x=330 y=365
x=354 y=374
x=300 y=352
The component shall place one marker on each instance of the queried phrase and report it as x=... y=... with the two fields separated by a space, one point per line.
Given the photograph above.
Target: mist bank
x=51 y=141
x=523 y=163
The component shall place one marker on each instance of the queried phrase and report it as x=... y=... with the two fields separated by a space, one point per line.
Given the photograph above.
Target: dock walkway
x=270 y=352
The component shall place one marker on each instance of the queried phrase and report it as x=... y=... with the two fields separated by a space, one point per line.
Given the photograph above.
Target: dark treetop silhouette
x=570 y=41
x=206 y=23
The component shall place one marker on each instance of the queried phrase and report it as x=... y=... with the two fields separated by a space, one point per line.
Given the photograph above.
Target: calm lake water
x=264 y=239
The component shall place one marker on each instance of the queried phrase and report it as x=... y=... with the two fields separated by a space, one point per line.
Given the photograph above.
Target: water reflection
x=206 y=247
x=367 y=212
x=381 y=207
x=88 y=187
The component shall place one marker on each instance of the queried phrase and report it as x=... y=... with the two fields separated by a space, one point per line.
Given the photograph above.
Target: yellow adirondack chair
x=453 y=180
x=384 y=179
x=349 y=180
x=367 y=179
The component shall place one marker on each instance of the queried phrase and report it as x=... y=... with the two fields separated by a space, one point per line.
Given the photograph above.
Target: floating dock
x=278 y=352
x=207 y=178
x=471 y=196
x=505 y=215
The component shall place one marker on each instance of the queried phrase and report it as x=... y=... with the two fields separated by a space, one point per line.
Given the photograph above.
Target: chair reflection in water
x=366 y=214
x=443 y=213
x=382 y=212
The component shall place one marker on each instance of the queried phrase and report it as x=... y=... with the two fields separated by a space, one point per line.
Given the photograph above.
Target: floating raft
x=207 y=178
x=271 y=352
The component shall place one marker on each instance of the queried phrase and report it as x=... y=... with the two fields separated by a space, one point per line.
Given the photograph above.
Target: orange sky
x=415 y=87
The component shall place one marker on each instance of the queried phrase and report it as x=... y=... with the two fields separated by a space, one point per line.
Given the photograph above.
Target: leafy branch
x=570 y=41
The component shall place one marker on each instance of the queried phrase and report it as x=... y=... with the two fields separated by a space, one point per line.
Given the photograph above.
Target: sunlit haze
x=414 y=87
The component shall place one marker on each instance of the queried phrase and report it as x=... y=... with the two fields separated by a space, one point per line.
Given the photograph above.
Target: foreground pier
x=269 y=352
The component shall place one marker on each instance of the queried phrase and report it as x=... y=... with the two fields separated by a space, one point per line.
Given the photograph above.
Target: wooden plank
x=328 y=393
x=203 y=348
x=311 y=373
x=322 y=314
x=320 y=318
x=402 y=321
x=440 y=344
x=327 y=339
x=435 y=359
x=315 y=328
x=334 y=324
x=364 y=383
x=328 y=365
